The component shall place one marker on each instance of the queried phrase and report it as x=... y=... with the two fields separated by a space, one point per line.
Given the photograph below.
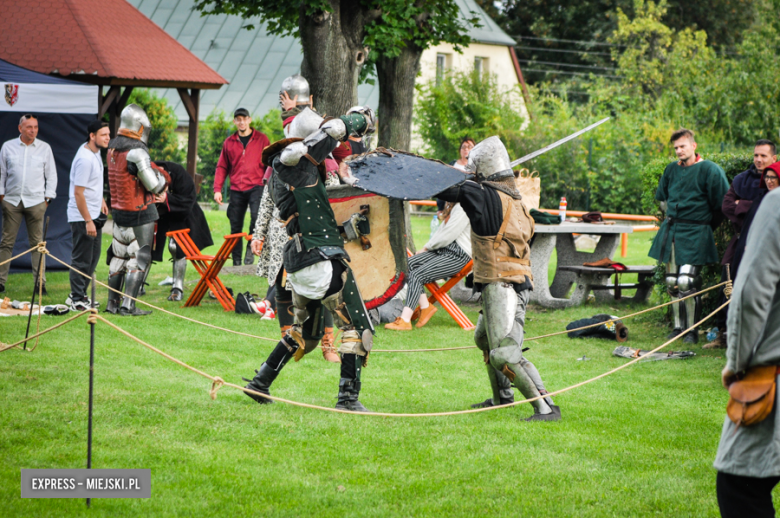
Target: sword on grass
x=554 y=145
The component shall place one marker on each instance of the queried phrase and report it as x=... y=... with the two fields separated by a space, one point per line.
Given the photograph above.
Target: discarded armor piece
x=610 y=330
x=629 y=352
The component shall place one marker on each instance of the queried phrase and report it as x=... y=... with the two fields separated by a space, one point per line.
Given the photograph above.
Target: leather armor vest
x=127 y=191
x=505 y=257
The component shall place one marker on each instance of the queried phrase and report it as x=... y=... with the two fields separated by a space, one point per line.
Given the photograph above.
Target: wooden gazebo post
x=191 y=100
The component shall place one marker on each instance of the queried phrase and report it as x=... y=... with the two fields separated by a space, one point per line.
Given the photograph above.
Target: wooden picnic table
x=561 y=238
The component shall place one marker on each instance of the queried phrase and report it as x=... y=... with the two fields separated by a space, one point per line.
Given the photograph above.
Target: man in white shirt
x=28 y=182
x=85 y=204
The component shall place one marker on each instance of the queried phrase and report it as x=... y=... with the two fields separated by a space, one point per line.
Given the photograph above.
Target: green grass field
x=639 y=443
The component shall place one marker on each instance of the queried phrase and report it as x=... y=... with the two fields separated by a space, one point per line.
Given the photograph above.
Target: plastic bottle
x=562 y=209
x=434 y=223
x=712 y=334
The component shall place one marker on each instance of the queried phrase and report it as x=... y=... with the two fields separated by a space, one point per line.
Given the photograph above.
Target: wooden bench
x=208 y=266
x=597 y=279
x=439 y=294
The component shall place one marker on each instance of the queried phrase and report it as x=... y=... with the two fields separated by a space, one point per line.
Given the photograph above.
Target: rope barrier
x=18 y=256
x=41 y=246
x=36 y=335
x=566 y=331
x=162 y=310
x=218 y=382
x=390 y=350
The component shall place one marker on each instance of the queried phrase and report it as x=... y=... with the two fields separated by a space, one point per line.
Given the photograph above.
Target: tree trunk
x=333 y=54
x=396 y=78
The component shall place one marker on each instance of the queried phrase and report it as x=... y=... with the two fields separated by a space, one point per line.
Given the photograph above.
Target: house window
x=441 y=66
x=480 y=65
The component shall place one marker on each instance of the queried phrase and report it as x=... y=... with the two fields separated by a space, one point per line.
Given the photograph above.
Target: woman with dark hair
x=466 y=145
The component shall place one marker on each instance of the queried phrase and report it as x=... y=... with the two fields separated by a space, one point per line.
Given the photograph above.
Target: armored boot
x=523 y=382
x=133 y=283
x=328 y=350
x=533 y=373
x=115 y=281
x=177 y=289
x=349 y=384
x=270 y=370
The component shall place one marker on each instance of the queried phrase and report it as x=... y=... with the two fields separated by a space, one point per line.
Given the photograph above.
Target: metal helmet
x=490 y=160
x=296 y=85
x=368 y=113
x=304 y=124
x=135 y=123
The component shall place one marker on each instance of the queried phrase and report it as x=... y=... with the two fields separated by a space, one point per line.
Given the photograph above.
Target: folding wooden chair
x=208 y=266
x=439 y=294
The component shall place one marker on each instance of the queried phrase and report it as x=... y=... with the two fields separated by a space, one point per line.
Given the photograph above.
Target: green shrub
x=164 y=144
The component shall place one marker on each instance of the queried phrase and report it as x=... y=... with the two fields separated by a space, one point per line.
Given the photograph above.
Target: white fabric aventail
x=313 y=281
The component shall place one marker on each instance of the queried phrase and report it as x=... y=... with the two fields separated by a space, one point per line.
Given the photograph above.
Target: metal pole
x=41 y=260
x=91 y=382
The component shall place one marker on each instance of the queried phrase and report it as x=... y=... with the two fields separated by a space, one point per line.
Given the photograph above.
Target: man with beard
x=746 y=188
x=691 y=193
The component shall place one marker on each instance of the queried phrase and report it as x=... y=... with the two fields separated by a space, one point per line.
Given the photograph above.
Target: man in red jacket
x=242 y=161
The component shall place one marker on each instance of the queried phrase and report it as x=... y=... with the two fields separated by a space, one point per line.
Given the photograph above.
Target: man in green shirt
x=691 y=193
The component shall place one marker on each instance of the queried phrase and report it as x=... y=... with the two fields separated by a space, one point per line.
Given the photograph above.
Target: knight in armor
x=314 y=257
x=295 y=96
x=691 y=193
x=501 y=229
x=135 y=184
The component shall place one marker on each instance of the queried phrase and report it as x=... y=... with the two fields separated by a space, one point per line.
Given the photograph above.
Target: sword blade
x=554 y=145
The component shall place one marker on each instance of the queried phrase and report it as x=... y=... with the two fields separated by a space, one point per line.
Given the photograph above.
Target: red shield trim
x=11 y=93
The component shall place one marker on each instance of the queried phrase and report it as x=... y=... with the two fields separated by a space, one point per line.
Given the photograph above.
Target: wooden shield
x=379 y=270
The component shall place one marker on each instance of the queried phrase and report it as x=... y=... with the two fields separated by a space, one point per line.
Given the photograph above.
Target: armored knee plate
x=689 y=279
x=300 y=311
x=335 y=304
x=144 y=234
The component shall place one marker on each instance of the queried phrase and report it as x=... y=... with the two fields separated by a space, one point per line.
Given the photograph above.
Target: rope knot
x=215 y=386
x=93 y=316
x=41 y=248
x=728 y=289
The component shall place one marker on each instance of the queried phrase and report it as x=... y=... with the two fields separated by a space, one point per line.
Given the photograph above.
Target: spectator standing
x=28 y=182
x=85 y=205
x=691 y=193
x=241 y=160
x=466 y=145
x=747 y=188
x=748 y=458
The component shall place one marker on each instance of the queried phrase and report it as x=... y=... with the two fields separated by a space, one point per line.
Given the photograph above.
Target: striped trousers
x=433 y=265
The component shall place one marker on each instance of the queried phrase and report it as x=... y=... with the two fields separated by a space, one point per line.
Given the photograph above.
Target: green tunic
x=693 y=194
